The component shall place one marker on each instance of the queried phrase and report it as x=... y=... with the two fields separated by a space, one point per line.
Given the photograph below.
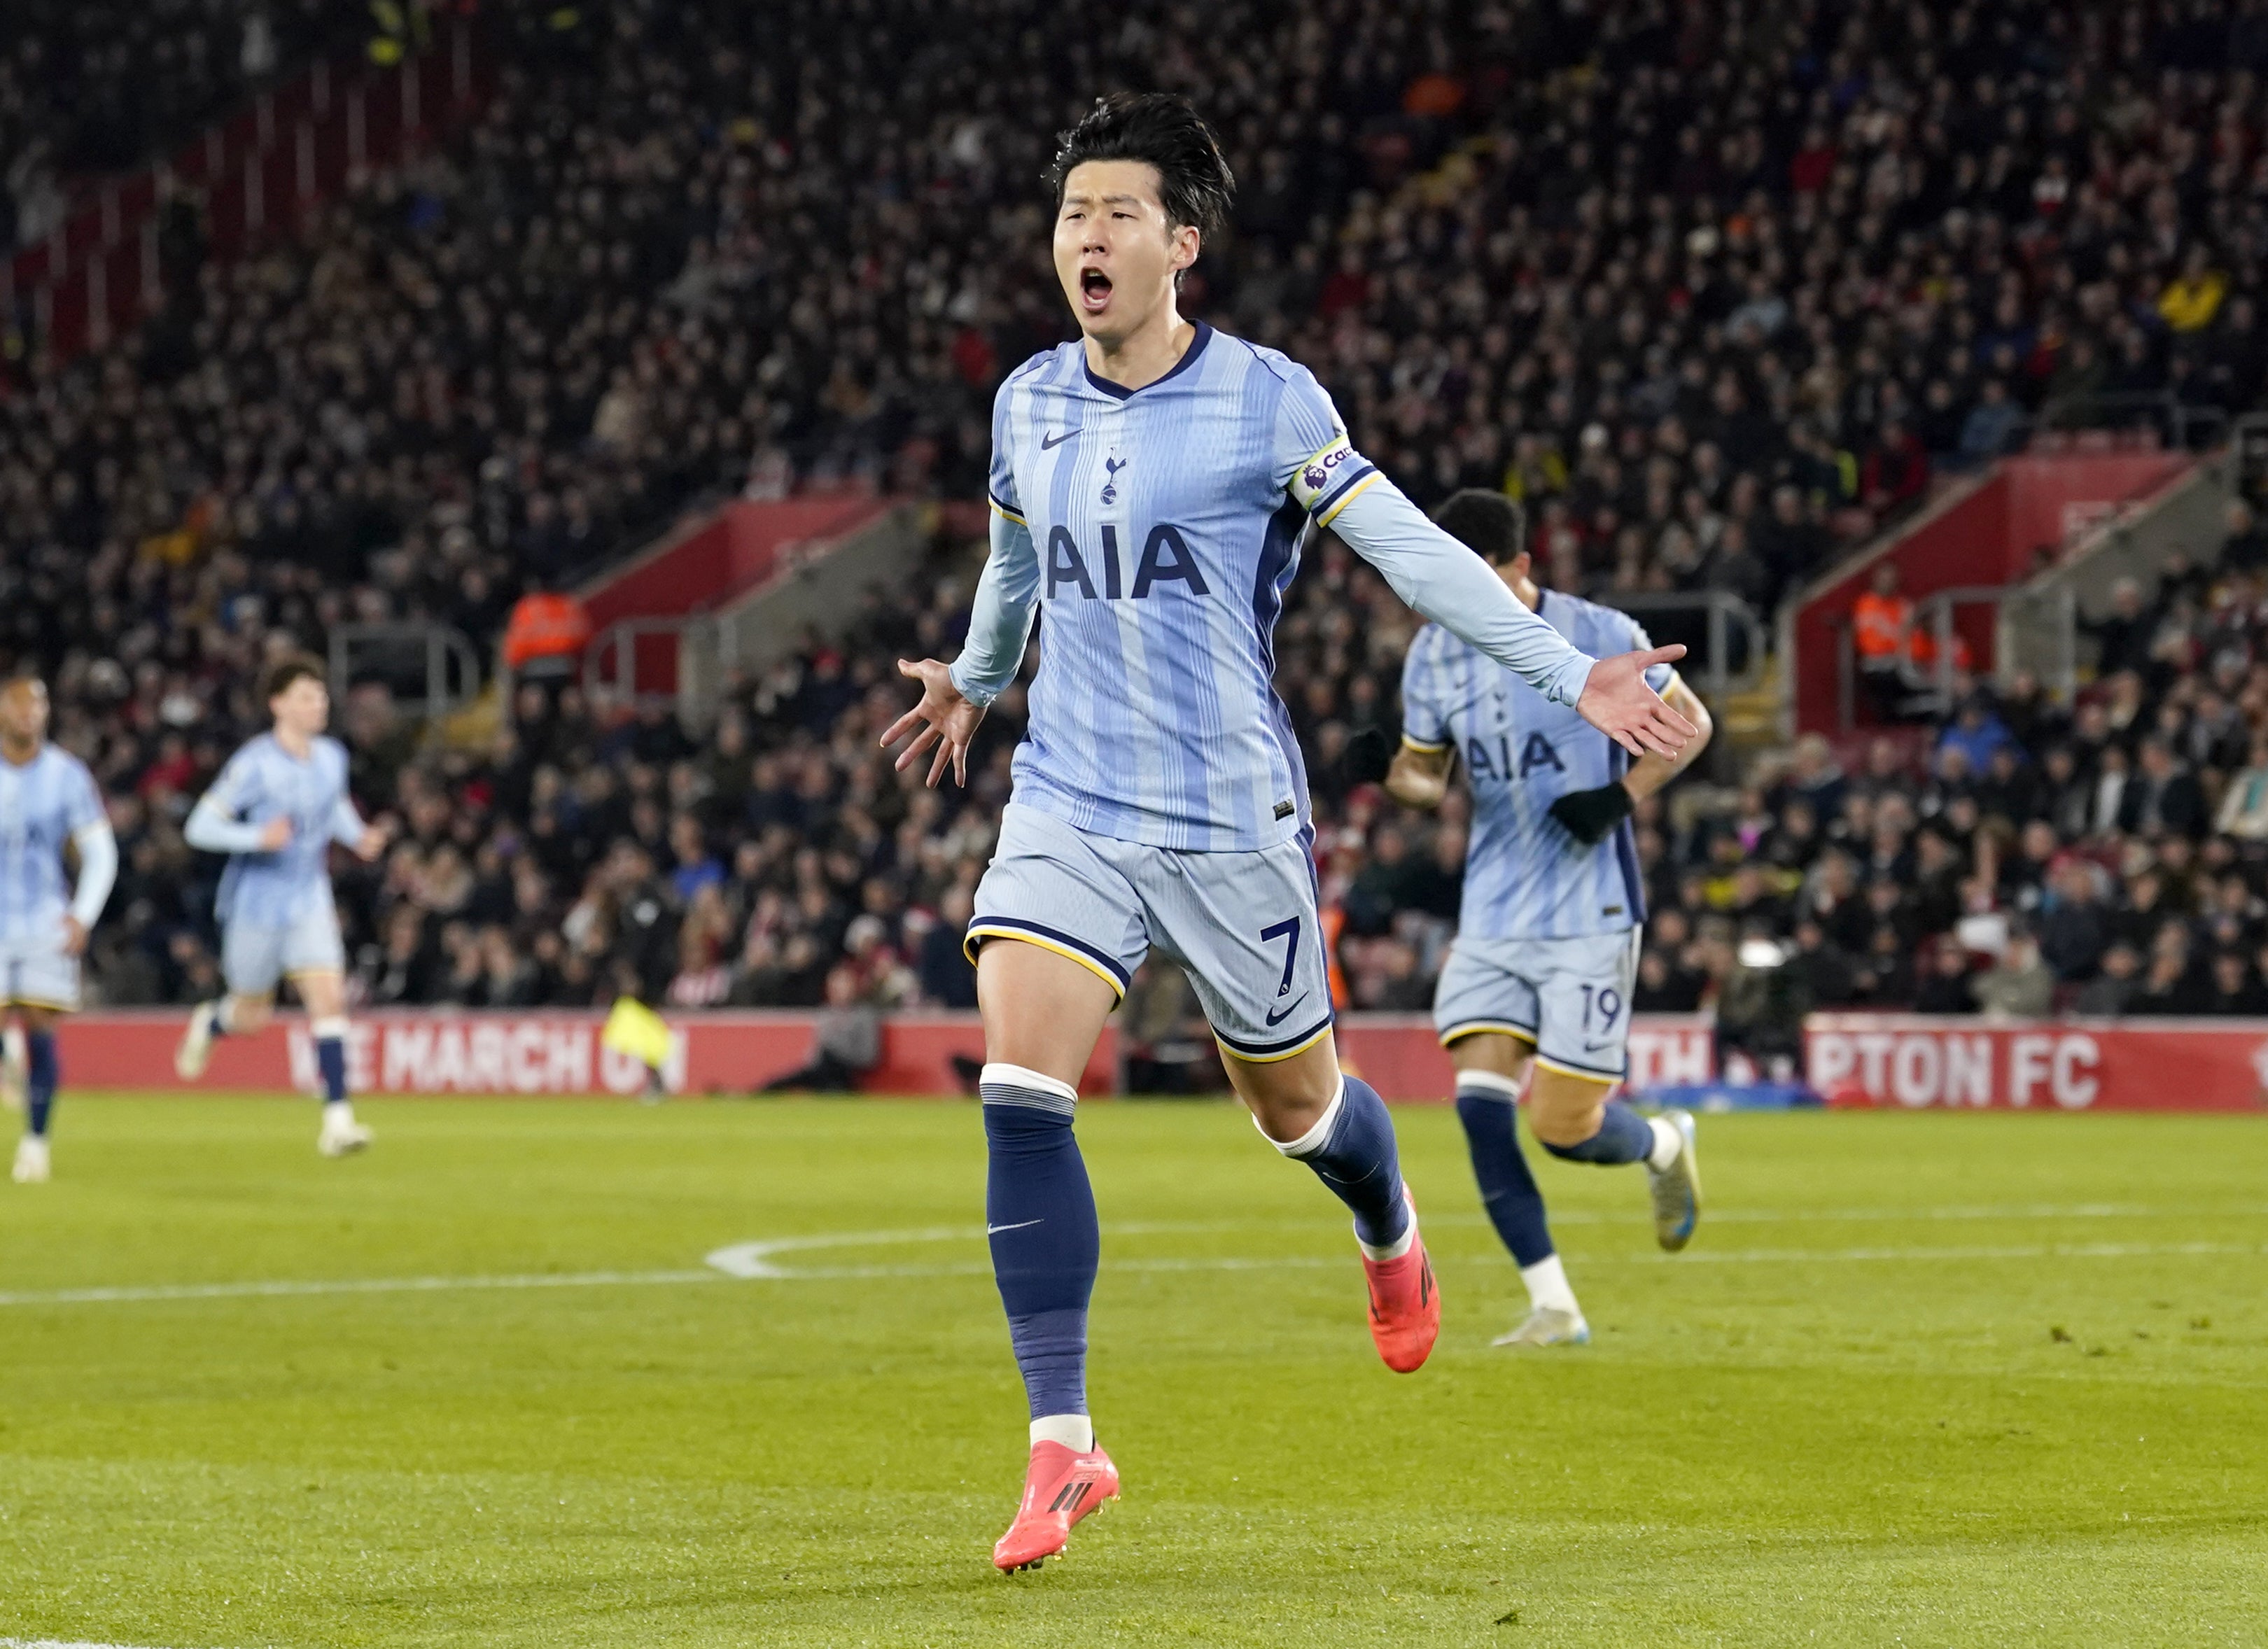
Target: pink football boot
x=1406 y=1307
x=1060 y=1487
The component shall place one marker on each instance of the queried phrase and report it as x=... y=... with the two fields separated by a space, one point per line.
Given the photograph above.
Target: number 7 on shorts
x=1288 y=930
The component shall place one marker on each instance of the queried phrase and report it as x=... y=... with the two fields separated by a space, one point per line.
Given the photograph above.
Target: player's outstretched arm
x=954 y=700
x=1453 y=587
x=1617 y=701
x=1591 y=815
x=944 y=720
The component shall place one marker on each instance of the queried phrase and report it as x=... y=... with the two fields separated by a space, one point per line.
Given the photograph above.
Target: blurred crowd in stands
x=1713 y=291
x=88 y=90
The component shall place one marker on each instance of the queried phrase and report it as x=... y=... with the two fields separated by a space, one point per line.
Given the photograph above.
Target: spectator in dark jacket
x=2074 y=928
x=2165 y=797
x=1945 y=987
x=2111 y=992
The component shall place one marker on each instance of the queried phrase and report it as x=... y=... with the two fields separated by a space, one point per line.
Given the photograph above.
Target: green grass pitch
x=1928 y=1380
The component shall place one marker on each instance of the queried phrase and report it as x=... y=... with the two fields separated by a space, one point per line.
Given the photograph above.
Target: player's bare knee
x=1492 y=1051
x=1288 y=1097
x=247 y=1014
x=1565 y=1110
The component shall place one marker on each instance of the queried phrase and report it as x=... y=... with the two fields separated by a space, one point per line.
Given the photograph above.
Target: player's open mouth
x=1094 y=289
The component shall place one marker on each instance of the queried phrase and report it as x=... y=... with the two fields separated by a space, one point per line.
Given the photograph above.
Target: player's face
x=24 y=711
x=303 y=708
x=1116 y=254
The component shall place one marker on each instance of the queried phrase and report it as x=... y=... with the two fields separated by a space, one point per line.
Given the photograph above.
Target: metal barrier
x=431 y=669
x=2176 y=423
x=1733 y=640
x=1931 y=687
x=2248 y=442
x=616 y=646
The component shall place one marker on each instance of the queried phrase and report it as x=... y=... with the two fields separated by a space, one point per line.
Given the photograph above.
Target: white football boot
x=31 y=1160
x=342 y=1135
x=1548 y=1325
x=194 y=1051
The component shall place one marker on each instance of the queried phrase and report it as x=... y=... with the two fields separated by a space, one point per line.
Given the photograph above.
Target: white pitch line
x=56 y=1643
x=2013 y=1251
x=287 y=1288
x=750 y=1262
x=1886 y=1215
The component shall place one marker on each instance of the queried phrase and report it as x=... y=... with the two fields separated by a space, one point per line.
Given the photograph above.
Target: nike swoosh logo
x=1276 y=1018
x=1598 y=1047
x=1019 y=1225
x=1047 y=442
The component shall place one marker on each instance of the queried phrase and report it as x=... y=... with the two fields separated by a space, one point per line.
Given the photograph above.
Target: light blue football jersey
x=1165 y=524
x=262 y=781
x=43 y=803
x=1526 y=877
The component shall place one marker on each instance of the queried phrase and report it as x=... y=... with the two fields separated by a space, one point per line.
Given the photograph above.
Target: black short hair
x=1165 y=129
x=1487 y=523
x=289 y=669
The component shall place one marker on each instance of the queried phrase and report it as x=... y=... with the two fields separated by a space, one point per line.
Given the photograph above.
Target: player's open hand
x=276 y=835
x=943 y=718
x=1618 y=703
x=74 y=936
x=373 y=840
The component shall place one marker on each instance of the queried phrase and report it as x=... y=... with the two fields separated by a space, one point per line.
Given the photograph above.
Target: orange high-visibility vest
x=545 y=626
x=1878 y=624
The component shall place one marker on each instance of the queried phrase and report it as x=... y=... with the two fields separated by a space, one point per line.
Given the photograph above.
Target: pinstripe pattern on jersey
x=1167 y=523
x=263 y=781
x=1525 y=876
x=43 y=803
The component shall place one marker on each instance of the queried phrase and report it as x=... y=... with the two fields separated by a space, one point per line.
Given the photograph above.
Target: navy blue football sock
x=331 y=1058
x=41 y=1074
x=1515 y=1206
x=1038 y=1217
x=1351 y=1150
x=1623 y=1136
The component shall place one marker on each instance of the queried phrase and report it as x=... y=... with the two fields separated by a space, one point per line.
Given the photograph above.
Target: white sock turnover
x=1074 y=1432
x=1667 y=1142
x=1546 y=1285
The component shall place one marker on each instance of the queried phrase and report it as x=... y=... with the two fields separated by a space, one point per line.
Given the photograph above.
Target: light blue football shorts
x=1242 y=925
x=1567 y=998
x=36 y=973
x=253 y=956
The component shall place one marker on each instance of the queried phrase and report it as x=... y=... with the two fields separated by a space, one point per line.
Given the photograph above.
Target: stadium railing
x=1726 y=640
x=432 y=670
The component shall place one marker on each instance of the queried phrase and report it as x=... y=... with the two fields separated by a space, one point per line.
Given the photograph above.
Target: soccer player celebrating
x=1546 y=950
x=275 y=809
x=1150 y=485
x=47 y=799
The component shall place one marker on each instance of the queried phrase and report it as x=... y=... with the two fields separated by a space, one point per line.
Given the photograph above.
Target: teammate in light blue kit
x=1546 y=951
x=275 y=809
x=1151 y=486
x=48 y=801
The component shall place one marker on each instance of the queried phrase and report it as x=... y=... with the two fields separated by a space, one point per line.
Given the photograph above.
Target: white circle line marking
x=755 y=1262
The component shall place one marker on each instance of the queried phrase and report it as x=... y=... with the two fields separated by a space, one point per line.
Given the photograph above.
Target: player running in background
x=48 y=801
x=1538 y=983
x=1150 y=485
x=275 y=809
